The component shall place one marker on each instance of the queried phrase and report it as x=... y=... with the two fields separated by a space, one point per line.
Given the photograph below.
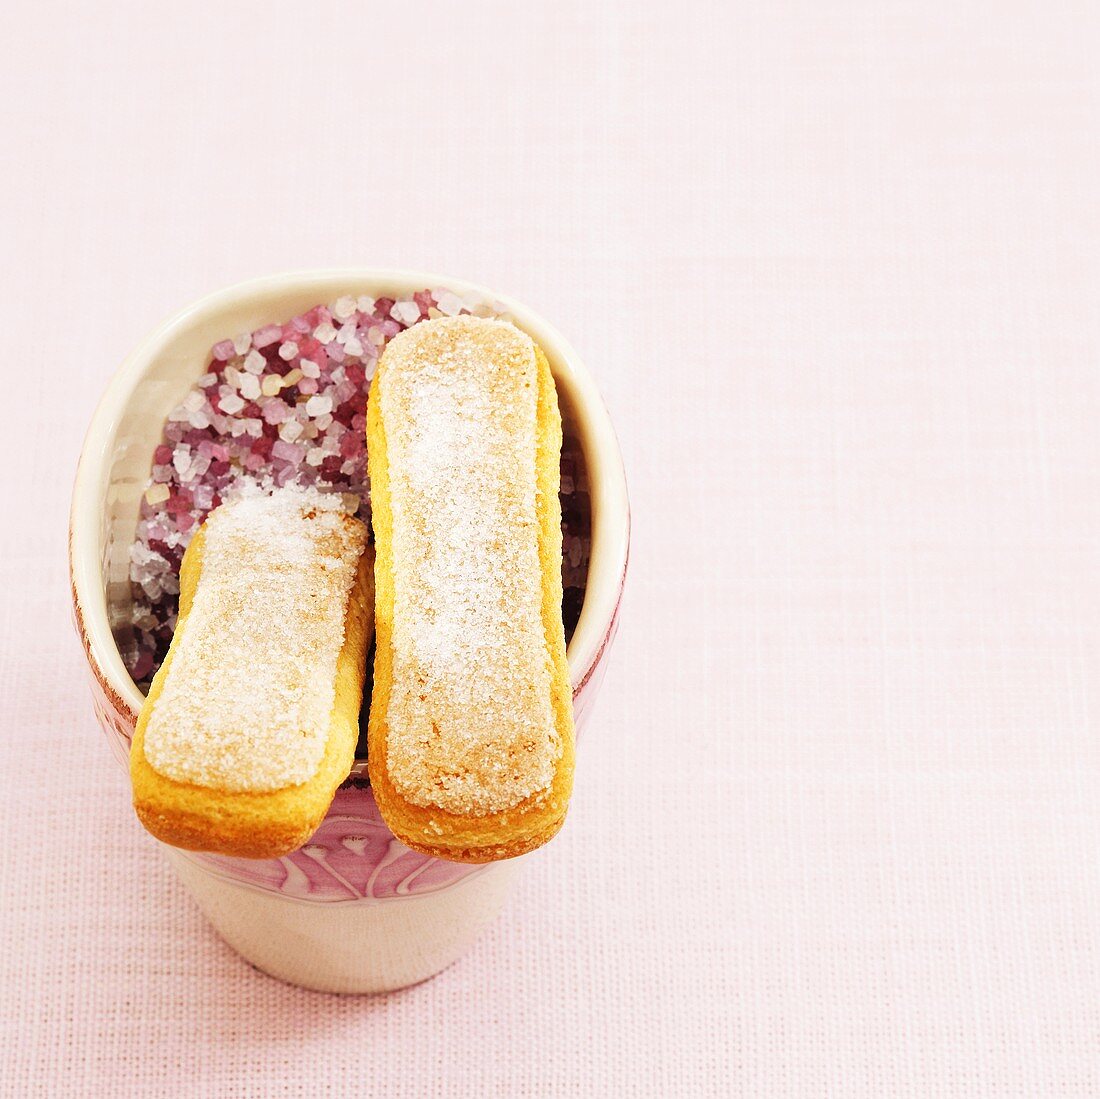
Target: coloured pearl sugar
x=286 y=404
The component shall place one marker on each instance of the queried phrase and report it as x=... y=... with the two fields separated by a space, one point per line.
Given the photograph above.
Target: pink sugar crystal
x=266 y=336
x=284 y=475
x=289 y=452
x=142 y=666
x=277 y=412
x=263 y=445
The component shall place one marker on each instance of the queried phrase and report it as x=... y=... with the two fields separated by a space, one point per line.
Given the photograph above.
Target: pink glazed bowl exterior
x=353 y=857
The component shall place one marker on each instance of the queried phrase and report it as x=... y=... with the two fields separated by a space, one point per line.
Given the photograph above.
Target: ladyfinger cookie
x=470 y=737
x=251 y=722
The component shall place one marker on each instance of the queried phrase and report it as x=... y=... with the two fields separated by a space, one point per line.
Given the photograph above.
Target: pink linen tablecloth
x=836 y=267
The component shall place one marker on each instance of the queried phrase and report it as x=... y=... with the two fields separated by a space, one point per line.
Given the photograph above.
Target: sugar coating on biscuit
x=247 y=700
x=470 y=723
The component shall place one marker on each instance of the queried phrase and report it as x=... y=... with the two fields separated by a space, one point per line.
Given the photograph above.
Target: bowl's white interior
x=115 y=462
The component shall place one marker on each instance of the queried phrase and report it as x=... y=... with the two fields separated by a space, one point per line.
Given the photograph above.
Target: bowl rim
x=610 y=511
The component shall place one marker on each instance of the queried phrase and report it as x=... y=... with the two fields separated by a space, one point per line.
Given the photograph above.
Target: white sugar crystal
x=365 y=303
x=254 y=363
x=250 y=387
x=346 y=332
x=233 y=377
x=181 y=459
x=290 y=431
x=450 y=305
x=318 y=405
x=309 y=368
x=143 y=556
x=288 y=350
x=231 y=404
x=199 y=420
x=315 y=456
x=179 y=414
x=206 y=380
x=324 y=332
x=255 y=428
x=242 y=342
x=343 y=308
x=407 y=312
x=194 y=400
x=354 y=348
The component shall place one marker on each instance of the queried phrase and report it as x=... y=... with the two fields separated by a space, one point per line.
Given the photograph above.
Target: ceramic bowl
x=353 y=910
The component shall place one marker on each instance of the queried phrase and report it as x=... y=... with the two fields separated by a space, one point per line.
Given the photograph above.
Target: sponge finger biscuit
x=470 y=741
x=251 y=722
